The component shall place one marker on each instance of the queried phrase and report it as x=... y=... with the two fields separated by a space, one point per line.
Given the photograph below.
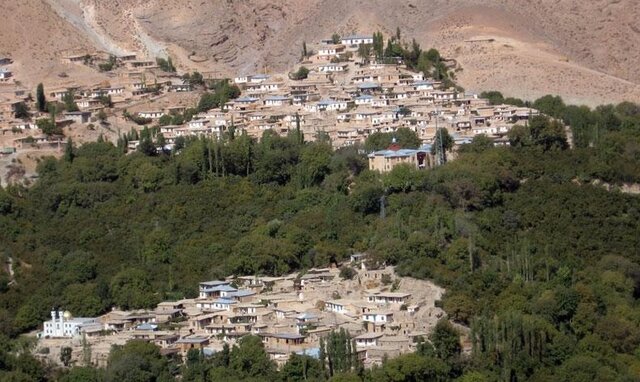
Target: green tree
x=404 y=137
x=48 y=126
x=131 y=289
x=65 y=355
x=250 y=358
x=442 y=143
x=338 y=353
x=347 y=273
x=550 y=105
x=69 y=151
x=494 y=97
x=83 y=374
x=70 y=101
x=41 y=99
x=137 y=361
x=21 y=111
x=301 y=368
x=445 y=340
x=478 y=144
x=301 y=74
x=314 y=164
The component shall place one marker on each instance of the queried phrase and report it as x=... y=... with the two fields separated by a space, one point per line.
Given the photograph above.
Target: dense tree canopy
x=539 y=260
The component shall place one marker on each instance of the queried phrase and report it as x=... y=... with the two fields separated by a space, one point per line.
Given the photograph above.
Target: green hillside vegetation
x=543 y=266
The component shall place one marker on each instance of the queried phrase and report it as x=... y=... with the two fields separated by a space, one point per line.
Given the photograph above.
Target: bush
x=301 y=74
x=347 y=273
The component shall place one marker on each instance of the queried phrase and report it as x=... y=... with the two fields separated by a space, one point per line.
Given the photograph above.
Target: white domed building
x=63 y=324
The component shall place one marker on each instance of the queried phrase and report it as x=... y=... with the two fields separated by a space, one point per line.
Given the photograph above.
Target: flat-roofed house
x=367 y=339
x=5 y=74
x=277 y=101
x=356 y=40
x=388 y=297
x=152 y=114
x=386 y=160
x=378 y=317
x=78 y=116
x=282 y=339
x=195 y=342
x=216 y=291
x=330 y=51
x=333 y=68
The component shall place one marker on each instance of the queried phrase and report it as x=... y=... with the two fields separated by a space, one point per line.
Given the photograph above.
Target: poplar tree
x=41 y=99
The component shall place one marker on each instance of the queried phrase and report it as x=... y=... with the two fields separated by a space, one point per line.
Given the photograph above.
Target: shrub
x=347 y=273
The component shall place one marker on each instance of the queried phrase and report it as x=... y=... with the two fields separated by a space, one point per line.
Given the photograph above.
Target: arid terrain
x=587 y=52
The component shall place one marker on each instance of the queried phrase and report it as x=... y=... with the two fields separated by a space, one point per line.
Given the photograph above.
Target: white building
x=114 y=91
x=327 y=105
x=378 y=317
x=335 y=306
x=224 y=304
x=5 y=74
x=154 y=114
x=331 y=68
x=331 y=50
x=277 y=101
x=62 y=324
x=364 y=100
x=198 y=123
x=357 y=40
x=368 y=339
x=388 y=298
x=258 y=78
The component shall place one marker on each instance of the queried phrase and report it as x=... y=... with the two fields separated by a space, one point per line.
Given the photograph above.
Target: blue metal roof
x=242 y=293
x=224 y=301
x=327 y=102
x=147 y=326
x=219 y=288
x=368 y=85
x=246 y=99
x=400 y=153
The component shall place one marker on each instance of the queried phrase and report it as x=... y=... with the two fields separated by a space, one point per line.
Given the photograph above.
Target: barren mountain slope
x=560 y=46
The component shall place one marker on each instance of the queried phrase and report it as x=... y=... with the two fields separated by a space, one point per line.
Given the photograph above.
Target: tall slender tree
x=41 y=99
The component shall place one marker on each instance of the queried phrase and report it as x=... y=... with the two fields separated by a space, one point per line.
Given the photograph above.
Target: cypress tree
x=41 y=99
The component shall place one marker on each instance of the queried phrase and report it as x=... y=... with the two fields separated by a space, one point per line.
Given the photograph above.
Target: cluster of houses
x=290 y=314
x=344 y=96
x=349 y=98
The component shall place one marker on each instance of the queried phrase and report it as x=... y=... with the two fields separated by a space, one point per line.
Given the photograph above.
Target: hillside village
x=337 y=91
x=386 y=316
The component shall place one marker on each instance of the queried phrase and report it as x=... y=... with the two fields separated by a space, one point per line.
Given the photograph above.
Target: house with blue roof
x=214 y=289
x=224 y=303
x=386 y=160
x=369 y=86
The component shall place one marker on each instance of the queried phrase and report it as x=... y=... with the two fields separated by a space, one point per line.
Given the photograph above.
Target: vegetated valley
x=540 y=261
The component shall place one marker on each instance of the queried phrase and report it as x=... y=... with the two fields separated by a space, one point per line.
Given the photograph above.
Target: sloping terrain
x=585 y=51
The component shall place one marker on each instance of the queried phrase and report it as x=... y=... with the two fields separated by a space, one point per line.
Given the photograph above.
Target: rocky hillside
x=586 y=51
